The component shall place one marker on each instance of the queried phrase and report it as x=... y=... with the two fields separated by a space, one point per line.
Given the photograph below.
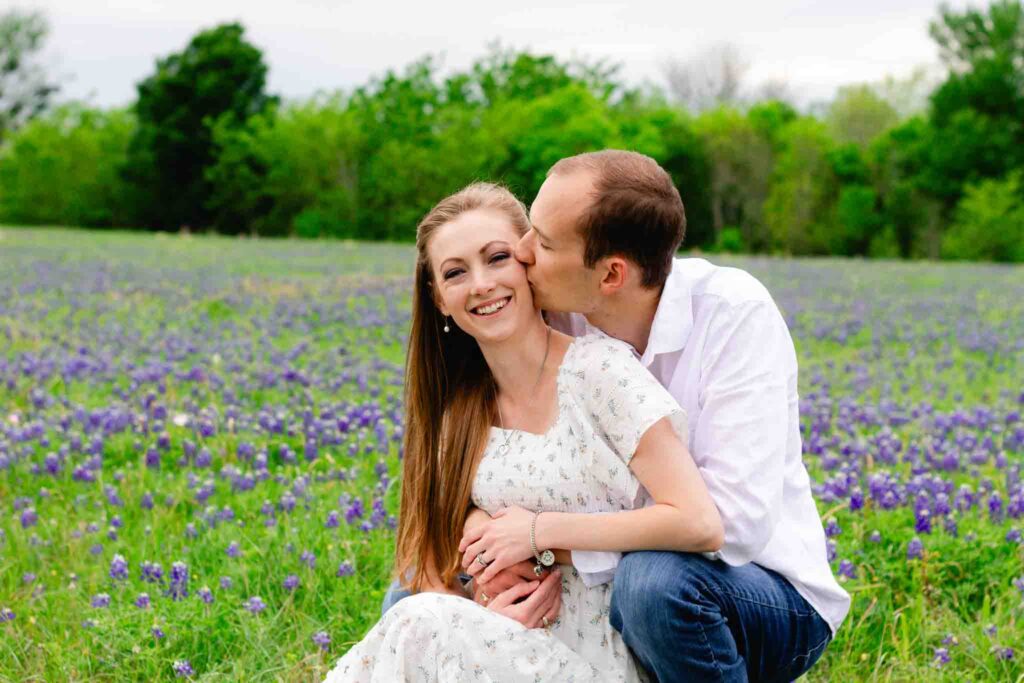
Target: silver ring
x=479 y=558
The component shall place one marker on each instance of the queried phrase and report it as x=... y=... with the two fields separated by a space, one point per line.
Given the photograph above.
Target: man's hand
x=521 y=572
x=533 y=604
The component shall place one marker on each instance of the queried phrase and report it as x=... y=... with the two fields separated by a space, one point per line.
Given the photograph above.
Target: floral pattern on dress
x=606 y=402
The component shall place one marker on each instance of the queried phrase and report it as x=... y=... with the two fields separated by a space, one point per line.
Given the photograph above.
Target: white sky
x=103 y=48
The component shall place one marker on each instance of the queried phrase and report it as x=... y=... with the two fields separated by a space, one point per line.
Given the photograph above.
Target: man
x=599 y=256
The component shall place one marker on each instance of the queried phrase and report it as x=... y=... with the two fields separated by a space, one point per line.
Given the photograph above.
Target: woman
x=553 y=436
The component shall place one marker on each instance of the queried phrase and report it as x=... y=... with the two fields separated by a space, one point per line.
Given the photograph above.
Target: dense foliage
x=200 y=454
x=205 y=147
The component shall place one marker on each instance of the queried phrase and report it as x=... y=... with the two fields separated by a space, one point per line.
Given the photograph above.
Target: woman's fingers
x=494 y=566
x=539 y=603
x=471 y=536
x=471 y=553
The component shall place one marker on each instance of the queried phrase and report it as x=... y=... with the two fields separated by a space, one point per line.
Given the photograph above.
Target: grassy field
x=199 y=451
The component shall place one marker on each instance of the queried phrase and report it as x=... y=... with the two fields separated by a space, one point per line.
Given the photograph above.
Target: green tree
x=285 y=169
x=989 y=222
x=25 y=90
x=858 y=115
x=219 y=74
x=63 y=168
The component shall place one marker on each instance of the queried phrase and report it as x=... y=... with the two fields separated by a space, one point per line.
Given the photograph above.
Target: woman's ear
x=438 y=303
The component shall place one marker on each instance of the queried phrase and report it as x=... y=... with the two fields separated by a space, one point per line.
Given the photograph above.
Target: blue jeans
x=687 y=618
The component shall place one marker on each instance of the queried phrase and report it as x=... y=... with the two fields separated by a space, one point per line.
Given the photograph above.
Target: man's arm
x=739 y=441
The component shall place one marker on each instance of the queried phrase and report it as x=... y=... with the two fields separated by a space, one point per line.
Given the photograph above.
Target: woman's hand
x=539 y=609
x=503 y=541
x=521 y=572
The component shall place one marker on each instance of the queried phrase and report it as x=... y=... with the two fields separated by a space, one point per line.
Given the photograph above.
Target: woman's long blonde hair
x=449 y=408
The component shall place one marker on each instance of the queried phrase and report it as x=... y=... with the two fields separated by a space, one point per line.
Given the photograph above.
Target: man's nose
x=523 y=251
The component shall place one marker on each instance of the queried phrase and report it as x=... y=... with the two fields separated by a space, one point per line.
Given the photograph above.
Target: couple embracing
x=602 y=463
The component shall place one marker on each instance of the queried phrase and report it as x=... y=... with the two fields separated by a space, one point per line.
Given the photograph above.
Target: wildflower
x=915 y=549
x=225 y=582
x=233 y=549
x=183 y=668
x=119 y=567
x=28 y=577
x=205 y=594
x=941 y=657
x=6 y=614
x=255 y=604
x=152 y=572
x=345 y=569
x=832 y=529
x=847 y=569
x=876 y=536
x=142 y=602
x=178 y=587
x=322 y=639
x=29 y=518
x=308 y=558
x=332 y=519
x=291 y=582
x=1004 y=653
x=158 y=632
x=100 y=600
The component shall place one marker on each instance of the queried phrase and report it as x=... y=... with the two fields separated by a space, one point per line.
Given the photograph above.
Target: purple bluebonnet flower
x=323 y=639
x=204 y=458
x=915 y=549
x=88 y=623
x=876 y=536
x=100 y=600
x=1004 y=653
x=332 y=520
x=158 y=632
x=29 y=518
x=255 y=604
x=142 y=602
x=147 y=501
x=291 y=582
x=183 y=668
x=308 y=558
x=191 y=531
x=1013 y=535
x=178 y=586
x=233 y=549
x=941 y=657
x=1018 y=583
x=119 y=568
x=152 y=572
x=950 y=640
x=225 y=582
x=847 y=569
x=355 y=511
x=6 y=614
x=28 y=577
x=832 y=529
x=345 y=569
x=205 y=594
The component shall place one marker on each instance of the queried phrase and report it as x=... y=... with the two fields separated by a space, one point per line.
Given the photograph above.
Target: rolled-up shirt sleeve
x=739 y=441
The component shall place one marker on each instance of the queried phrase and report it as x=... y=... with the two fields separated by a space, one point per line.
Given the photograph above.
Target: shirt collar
x=673 y=319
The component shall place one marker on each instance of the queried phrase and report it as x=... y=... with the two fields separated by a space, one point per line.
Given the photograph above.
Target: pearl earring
x=446 y=328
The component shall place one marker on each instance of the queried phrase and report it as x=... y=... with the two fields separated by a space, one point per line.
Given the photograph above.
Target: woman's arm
x=683 y=518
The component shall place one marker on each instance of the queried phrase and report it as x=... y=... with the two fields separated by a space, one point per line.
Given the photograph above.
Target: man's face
x=552 y=250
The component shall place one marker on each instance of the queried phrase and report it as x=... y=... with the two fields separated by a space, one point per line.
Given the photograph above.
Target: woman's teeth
x=492 y=308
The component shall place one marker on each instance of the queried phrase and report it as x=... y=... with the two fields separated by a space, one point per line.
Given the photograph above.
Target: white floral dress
x=606 y=401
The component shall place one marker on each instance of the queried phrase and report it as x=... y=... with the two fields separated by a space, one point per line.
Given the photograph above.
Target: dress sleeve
x=623 y=400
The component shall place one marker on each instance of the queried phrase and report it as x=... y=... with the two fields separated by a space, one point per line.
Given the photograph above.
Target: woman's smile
x=491 y=308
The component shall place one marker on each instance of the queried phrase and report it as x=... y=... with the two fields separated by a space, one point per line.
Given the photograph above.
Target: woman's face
x=478 y=281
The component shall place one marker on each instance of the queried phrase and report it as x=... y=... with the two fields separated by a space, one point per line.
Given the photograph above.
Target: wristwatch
x=544 y=559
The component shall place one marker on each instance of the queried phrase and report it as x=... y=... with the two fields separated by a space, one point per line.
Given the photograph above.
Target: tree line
x=206 y=147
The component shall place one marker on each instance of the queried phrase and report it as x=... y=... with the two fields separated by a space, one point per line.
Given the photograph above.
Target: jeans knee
x=650 y=583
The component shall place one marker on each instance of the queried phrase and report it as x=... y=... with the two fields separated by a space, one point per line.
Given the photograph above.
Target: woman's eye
x=449 y=274
x=500 y=256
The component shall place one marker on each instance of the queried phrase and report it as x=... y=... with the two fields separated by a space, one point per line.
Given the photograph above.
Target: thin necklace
x=504 y=447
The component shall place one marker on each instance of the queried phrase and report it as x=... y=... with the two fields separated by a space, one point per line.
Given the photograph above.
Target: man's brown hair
x=636 y=211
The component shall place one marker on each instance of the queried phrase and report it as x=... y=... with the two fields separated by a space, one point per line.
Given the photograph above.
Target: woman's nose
x=482 y=283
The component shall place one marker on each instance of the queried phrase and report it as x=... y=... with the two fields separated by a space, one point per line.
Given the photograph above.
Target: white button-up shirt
x=722 y=349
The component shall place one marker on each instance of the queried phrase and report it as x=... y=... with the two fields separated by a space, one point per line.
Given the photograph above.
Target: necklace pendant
x=503 y=448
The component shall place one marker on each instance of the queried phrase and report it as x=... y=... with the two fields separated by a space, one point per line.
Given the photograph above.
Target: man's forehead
x=561 y=199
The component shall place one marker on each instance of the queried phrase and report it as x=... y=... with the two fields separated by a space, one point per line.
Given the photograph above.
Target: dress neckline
x=558 y=401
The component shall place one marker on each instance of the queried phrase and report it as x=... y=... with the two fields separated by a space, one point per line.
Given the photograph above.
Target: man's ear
x=614 y=275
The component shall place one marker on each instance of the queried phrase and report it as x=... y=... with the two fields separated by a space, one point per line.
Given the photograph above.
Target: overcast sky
x=104 y=48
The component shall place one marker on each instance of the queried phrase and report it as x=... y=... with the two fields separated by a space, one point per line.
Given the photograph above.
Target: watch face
x=547 y=558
